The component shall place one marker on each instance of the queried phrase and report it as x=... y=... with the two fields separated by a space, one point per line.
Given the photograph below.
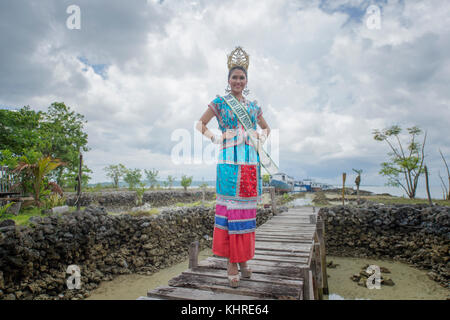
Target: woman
x=239 y=183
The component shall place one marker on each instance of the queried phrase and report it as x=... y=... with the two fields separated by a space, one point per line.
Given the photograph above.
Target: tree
x=186 y=181
x=152 y=176
x=132 y=177
x=358 y=182
x=405 y=165
x=19 y=130
x=170 y=181
x=115 y=172
x=63 y=137
x=446 y=190
x=266 y=179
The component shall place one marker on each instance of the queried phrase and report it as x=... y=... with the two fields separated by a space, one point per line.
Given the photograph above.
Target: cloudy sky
x=325 y=74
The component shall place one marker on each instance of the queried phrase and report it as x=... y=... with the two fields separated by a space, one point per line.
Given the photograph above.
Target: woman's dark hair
x=237 y=67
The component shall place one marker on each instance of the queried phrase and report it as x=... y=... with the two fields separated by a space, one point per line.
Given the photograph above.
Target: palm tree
x=37 y=172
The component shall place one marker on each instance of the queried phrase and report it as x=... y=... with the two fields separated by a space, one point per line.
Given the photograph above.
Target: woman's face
x=237 y=81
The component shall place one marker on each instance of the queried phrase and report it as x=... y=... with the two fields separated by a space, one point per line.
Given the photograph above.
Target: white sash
x=241 y=112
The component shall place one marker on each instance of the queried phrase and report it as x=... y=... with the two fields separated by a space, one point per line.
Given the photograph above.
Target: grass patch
x=150 y=212
x=384 y=199
x=195 y=204
x=24 y=215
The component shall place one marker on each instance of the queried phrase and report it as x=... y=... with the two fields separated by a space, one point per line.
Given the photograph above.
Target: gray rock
x=14 y=208
x=10 y=296
x=7 y=223
x=35 y=220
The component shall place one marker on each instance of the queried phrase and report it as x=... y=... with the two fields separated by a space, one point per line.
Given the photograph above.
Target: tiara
x=238 y=57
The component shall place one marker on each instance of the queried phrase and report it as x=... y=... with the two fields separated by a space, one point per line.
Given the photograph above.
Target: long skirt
x=238 y=191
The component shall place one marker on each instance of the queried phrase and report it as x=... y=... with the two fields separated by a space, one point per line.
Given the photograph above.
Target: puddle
x=303 y=201
x=410 y=283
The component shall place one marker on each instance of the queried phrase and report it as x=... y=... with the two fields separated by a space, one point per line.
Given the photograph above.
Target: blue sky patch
x=100 y=69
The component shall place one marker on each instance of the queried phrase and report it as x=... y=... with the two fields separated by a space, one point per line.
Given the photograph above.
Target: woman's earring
x=246 y=91
x=228 y=89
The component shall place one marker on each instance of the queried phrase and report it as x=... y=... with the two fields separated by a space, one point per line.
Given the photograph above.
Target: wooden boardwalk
x=289 y=263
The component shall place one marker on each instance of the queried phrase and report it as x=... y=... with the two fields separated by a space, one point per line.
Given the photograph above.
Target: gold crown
x=238 y=57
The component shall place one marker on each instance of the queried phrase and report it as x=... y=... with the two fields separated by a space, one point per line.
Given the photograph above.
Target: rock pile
x=127 y=199
x=414 y=234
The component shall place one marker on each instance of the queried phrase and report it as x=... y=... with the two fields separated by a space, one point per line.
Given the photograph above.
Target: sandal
x=233 y=279
x=246 y=272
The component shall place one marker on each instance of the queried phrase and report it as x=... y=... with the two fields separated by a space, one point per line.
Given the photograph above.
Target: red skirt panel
x=236 y=247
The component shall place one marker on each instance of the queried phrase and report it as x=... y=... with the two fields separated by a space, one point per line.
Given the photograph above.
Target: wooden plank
x=258 y=277
x=274 y=230
x=318 y=270
x=278 y=233
x=289 y=230
x=254 y=262
x=263 y=290
x=296 y=226
x=290 y=272
x=311 y=288
x=300 y=215
x=301 y=260
x=278 y=240
x=178 y=293
x=288 y=217
x=282 y=235
x=281 y=254
x=320 y=234
x=148 y=298
x=193 y=254
x=297 y=215
x=282 y=247
x=307 y=283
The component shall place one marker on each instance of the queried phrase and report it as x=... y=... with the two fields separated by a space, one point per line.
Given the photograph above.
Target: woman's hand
x=258 y=136
x=228 y=134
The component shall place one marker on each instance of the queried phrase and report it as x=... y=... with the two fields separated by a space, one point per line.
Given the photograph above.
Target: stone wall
x=415 y=234
x=34 y=260
x=127 y=199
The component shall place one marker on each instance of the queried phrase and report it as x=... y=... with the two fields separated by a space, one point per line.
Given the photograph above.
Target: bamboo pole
x=344 y=175
x=79 y=182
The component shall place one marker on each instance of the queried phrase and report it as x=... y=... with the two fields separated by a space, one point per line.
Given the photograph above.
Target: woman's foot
x=233 y=275
x=245 y=270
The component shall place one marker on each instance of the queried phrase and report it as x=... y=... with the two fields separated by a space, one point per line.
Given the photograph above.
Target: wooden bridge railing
x=315 y=278
x=273 y=201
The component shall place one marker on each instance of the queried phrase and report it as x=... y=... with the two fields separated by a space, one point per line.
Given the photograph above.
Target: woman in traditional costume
x=238 y=172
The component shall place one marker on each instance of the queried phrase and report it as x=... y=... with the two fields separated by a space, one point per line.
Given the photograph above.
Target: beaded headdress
x=238 y=57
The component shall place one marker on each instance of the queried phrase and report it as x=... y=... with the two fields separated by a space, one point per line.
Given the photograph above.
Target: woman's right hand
x=228 y=134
